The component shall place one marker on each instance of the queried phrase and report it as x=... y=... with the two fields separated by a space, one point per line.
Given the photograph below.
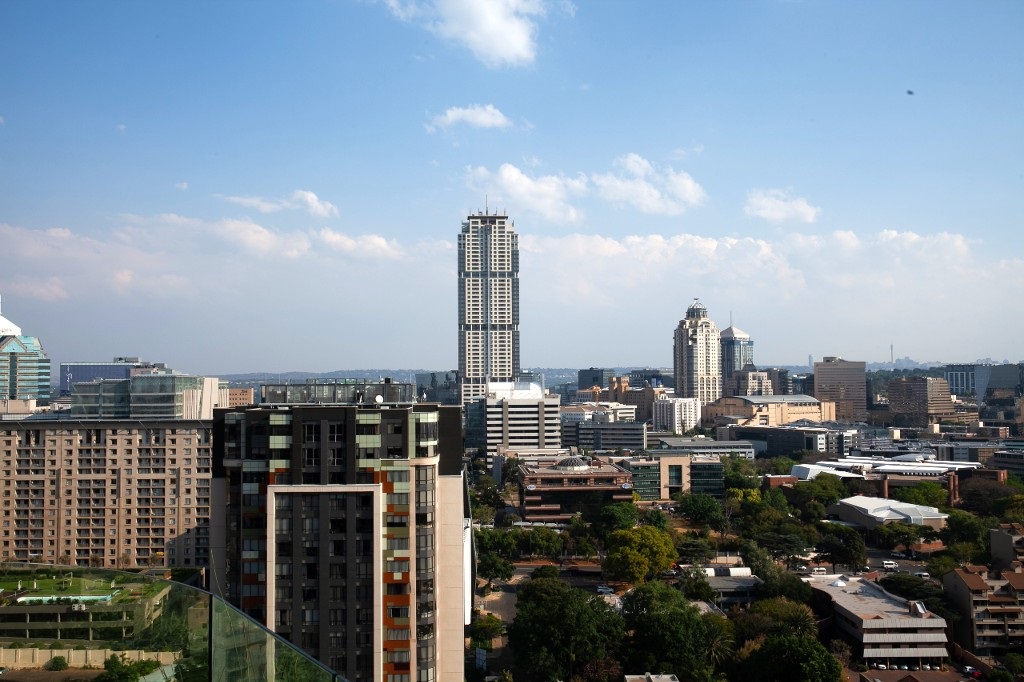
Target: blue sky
x=246 y=186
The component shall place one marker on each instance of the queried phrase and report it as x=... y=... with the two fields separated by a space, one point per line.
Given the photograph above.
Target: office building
x=608 y=436
x=887 y=630
x=642 y=397
x=118 y=368
x=594 y=376
x=348 y=529
x=24 y=365
x=107 y=493
x=920 y=401
x=844 y=383
x=767 y=410
x=514 y=416
x=654 y=377
x=737 y=350
x=748 y=381
x=148 y=396
x=488 y=304
x=555 y=493
x=697 y=356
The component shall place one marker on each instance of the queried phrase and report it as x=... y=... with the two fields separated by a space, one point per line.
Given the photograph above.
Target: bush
x=57 y=663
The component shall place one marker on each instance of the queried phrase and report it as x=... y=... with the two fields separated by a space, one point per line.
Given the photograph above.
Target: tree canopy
x=636 y=554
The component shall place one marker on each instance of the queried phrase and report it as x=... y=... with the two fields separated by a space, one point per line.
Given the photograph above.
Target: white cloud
x=475 y=115
x=45 y=289
x=260 y=240
x=120 y=127
x=497 y=32
x=181 y=185
x=365 y=245
x=2 y=121
x=300 y=198
x=651 y=190
x=547 y=195
x=776 y=206
x=314 y=204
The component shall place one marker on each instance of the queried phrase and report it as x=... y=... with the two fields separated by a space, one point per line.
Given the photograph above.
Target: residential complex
x=697 y=356
x=348 y=531
x=675 y=415
x=488 y=272
x=108 y=493
x=991 y=606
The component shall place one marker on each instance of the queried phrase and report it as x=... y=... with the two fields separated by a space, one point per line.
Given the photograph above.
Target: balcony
x=95 y=610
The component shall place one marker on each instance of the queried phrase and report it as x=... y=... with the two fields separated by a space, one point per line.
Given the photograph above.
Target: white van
x=818 y=570
x=890 y=565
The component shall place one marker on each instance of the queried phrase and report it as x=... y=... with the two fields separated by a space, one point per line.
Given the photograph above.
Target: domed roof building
x=554 y=493
x=697 y=356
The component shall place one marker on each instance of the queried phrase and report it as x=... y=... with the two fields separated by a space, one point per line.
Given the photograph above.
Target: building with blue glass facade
x=24 y=366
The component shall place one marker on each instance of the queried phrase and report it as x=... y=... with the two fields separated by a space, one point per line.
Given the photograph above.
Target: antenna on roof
x=486 y=207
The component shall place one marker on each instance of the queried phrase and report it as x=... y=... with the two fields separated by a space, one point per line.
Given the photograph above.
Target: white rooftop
x=885 y=509
x=8 y=328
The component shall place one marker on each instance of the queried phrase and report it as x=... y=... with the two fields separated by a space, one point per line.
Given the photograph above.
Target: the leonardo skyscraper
x=697 y=356
x=488 y=304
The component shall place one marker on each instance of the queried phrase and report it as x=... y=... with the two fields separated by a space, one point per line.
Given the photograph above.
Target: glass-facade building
x=24 y=365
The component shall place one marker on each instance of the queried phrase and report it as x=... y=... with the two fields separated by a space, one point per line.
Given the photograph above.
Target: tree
x=484 y=628
x=788 y=617
x=795 y=659
x=695 y=586
x=493 y=567
x=1014 y=662
x=654 y=517
x=841 y=650
x=927 y=493
x=701 y=509
x=545 y=571
x=983 y=496
x=694 y=548
x=544 y=645
x=613 y=517
x=666 y=632
x=57 y=663
x=639 y=553
x=842 y=545
x=1000 y=675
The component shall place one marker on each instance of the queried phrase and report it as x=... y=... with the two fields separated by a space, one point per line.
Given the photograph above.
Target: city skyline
x=187 y=183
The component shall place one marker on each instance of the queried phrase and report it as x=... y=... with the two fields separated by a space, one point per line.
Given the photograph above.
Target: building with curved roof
x=24 y=365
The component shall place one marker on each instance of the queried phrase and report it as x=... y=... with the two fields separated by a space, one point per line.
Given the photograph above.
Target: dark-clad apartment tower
x=347 y=531
x=488 y=304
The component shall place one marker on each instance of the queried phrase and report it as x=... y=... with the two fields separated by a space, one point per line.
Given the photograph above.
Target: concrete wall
x=30 y=657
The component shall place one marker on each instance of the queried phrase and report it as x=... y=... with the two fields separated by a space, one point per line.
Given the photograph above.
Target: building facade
x=554 y=493
x=697 y=356
x=767 y=410
x=920 y=401
x=348 y=531
x=514 y=416
x=118 y=368
x=488 y=304
x=675 y=415
x=991 y=607
x=148 y=396
x=844 y=383
x=594 y=376
x=24 y=365
x=108 y=493
x=737 y=350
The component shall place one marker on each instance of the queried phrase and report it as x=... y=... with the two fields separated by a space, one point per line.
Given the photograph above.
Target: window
x=396 y=633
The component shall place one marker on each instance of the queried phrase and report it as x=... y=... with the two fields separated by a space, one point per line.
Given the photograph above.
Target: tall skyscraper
x=737 y=350
x=488 y=304
x=24 y=365
x=697 y=356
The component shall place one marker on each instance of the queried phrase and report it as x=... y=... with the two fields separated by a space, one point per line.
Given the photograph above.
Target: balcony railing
x=87 y=615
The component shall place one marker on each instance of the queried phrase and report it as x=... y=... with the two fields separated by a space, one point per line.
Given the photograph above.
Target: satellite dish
x=379 y=399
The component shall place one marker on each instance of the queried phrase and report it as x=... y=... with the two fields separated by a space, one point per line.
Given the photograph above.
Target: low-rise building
x=555 y=493
x=890 y=630
x=767 y=410
x=659 y=476
x=870 y=512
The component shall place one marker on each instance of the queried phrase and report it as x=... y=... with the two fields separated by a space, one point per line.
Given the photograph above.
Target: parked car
x=604 y=589
x=923 y=574
x=898 y=555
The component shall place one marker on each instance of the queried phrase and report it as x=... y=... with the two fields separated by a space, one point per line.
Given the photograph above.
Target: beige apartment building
x=111 y=493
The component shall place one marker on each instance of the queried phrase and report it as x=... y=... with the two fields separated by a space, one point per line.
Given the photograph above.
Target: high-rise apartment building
x=488 y=304
x=106 y=493
x=843 y=382
x=348 y=533
x=737 y=351
x=514 y=416
x=24 y=365
x=697 y=356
